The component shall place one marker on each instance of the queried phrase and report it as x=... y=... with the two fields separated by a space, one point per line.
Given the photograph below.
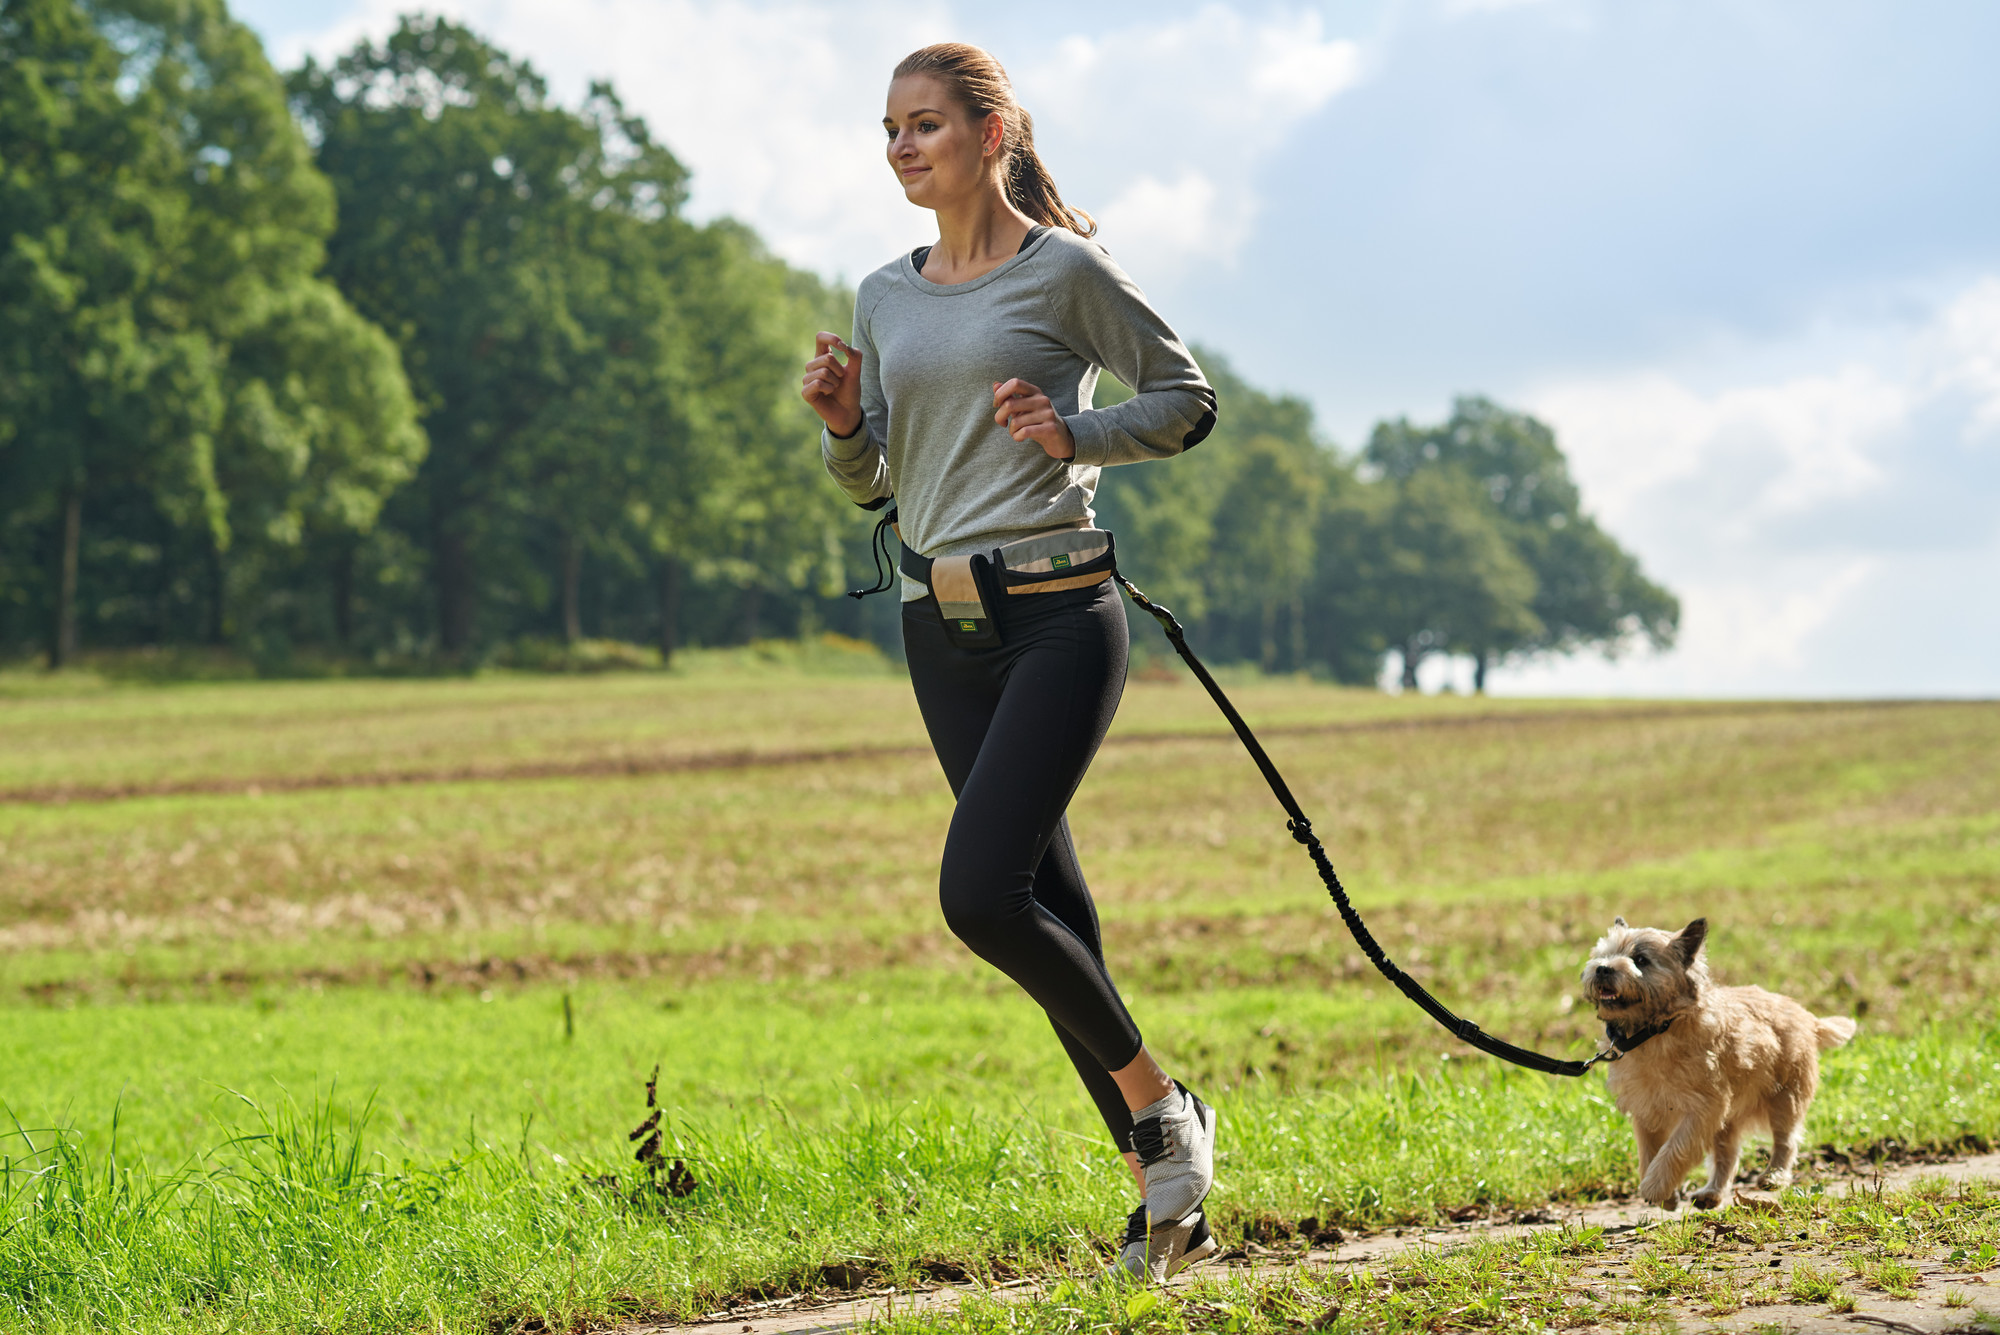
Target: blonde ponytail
x=976 y=81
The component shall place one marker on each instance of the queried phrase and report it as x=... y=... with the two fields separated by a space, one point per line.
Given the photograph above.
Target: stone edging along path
x=1923 y=1315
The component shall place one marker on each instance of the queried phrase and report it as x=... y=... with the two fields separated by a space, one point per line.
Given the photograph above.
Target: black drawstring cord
x=878 y=547
x=1465 y=1031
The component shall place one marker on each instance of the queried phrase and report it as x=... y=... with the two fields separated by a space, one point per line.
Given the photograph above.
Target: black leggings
x=1015 y=727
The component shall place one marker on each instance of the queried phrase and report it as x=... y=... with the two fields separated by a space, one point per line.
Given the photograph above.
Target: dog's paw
x=1776 y=1180
x=1665 y=1195
x=1706 y=1199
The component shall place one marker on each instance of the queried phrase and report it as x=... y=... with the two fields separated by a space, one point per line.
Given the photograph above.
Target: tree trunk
x=343 y=596
x=753 y=603
x=69 y=539
x=669 y=589
x=218 y=596
x=1298 y=632
x=1479 y=673
x=1267 y=636
x=451 y=574
x=572 y=588
x=1412 y=656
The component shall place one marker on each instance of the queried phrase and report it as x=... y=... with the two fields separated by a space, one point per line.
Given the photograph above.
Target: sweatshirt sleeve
x=859 y=464
x=1104 y=317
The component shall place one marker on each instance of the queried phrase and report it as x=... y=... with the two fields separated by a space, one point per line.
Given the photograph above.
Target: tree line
x=397 y=361
x=1467 y=537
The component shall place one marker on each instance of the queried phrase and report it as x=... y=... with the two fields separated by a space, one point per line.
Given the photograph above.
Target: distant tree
x=87 y=203
x=1345 y=628
x=483 y=225
x=1589 y=592
x=320 y=430
x=601 y=379
x=752 y=510
x=160 y=230
x=1421 y=563
x=1265 y=538
x=1226 y=534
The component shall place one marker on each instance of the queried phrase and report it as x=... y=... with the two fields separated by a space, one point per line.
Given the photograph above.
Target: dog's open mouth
x=1604 y=994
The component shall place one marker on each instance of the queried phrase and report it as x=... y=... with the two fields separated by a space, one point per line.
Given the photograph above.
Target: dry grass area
x=78 y=738
x=1442 y=823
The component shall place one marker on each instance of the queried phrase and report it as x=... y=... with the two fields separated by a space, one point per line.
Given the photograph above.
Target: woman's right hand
x=831 y=389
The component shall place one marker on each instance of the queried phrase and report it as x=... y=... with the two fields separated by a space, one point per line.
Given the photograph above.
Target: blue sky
x=1745 y=257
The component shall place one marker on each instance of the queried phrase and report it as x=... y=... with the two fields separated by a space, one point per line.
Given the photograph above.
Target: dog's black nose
x=1604 y=971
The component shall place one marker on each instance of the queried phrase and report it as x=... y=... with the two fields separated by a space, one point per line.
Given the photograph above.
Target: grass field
x=328 y=1006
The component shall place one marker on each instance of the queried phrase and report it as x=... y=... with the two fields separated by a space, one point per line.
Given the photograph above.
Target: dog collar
x=1625 y=1042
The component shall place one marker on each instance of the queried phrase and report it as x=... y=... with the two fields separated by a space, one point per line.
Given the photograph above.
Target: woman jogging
x=965 y=398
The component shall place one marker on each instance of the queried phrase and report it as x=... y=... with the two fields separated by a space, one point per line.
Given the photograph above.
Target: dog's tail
x=1832 y=1030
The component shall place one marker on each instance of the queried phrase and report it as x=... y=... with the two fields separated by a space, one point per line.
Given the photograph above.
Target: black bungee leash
x=1619 y=1042
x=1465 y=1031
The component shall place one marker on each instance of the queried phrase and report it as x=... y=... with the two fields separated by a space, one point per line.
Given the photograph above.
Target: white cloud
x=1966 y=349
x=1173 y=123
x=1807 y=520
x=1157 y=226
x=1779 y=448
x=776 y=107
x=1750 y=627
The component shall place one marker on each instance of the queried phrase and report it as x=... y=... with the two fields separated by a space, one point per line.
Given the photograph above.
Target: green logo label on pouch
x=968 y=626
x=1060 y=561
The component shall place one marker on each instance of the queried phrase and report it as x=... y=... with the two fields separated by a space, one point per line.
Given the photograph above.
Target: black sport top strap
x=923 y=253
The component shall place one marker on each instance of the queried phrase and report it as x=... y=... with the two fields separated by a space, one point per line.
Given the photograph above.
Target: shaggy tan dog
x=1703 y=1066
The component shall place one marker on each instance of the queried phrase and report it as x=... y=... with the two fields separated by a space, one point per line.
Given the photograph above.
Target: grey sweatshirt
x=1052 y=315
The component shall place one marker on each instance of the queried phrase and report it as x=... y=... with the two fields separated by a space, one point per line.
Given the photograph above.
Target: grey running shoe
x=1177 y=1150
x=1156 y=1253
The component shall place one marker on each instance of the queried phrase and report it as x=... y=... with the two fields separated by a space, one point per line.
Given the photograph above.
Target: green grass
x=298 y=1059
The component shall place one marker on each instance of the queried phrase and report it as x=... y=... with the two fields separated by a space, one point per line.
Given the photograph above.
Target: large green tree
x=1589 y=591
x=1421 y=564
x=162 y=328
x=522 y=253
x=1226 y=534
x=1265 y=539
x=749 y=509
x=605 y=384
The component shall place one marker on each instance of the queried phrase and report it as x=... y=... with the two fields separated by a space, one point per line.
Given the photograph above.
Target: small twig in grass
x=680 y=1180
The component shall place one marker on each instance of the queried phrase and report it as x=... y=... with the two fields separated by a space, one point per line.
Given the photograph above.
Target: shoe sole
x=1193 y=1256
x=1195 y=1253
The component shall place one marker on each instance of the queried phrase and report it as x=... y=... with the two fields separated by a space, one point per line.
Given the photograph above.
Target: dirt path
x=1924 y=1314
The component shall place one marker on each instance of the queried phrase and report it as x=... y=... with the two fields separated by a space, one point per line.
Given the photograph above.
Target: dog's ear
x=1688 y=944
x=1617 y=922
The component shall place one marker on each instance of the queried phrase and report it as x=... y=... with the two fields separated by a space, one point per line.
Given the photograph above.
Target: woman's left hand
x=1028 y=415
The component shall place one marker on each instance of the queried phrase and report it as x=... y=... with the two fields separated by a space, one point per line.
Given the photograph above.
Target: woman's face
x=936 y=149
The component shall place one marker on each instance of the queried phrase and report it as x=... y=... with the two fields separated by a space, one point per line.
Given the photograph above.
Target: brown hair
x=977 y=82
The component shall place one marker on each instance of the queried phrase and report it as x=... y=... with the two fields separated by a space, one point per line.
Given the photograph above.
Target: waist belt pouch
x=1050 y=562
x=964 y=588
